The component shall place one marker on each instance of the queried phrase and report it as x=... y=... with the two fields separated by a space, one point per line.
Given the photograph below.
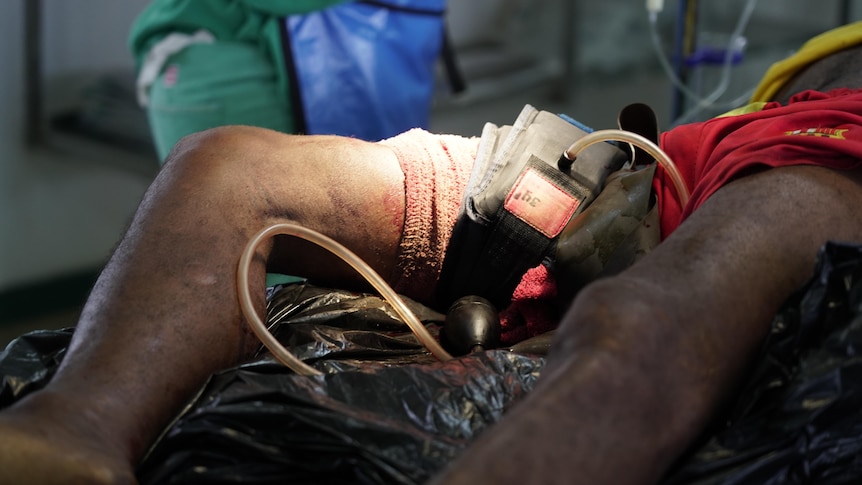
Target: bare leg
x=644 y=360
x=164 y=315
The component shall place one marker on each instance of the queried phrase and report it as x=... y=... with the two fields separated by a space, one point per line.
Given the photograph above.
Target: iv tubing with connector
x=736 y=42
x=639 y=141
x=270 y=342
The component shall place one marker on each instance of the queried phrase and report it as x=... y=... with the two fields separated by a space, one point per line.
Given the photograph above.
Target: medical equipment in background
x=481 y=331
x=691 y=53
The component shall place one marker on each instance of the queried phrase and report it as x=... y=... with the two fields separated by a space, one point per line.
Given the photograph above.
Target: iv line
x=735 y=43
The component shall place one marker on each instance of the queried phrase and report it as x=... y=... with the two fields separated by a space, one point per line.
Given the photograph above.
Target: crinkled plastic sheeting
x=385 y=412
x=29 y=361
x=388 y=413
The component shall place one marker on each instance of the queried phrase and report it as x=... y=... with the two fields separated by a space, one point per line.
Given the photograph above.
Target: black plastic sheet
x=386 y=412
x=29 y=361
x=798 y=419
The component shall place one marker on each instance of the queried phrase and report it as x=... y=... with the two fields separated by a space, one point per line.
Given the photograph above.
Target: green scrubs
x=239 y=78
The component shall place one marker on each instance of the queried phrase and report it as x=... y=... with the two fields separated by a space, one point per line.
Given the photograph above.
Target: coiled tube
x=663 y=159
x=270 y=342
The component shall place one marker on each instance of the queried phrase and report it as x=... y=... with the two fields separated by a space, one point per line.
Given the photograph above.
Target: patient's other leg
x=164 y=315
x=644 y=360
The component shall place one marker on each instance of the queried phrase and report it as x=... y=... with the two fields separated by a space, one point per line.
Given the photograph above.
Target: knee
x=223 y=171
x=217 y=152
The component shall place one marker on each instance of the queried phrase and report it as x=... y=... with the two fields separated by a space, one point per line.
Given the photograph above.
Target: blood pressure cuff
x=518 y=202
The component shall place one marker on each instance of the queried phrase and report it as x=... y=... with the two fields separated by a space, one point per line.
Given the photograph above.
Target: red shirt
x=814 y=128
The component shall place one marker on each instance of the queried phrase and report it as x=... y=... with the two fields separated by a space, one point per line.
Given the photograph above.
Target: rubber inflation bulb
x=472 y=325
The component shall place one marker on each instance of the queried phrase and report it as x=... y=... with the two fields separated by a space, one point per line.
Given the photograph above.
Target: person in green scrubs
x=208 y=63
x=364 y=69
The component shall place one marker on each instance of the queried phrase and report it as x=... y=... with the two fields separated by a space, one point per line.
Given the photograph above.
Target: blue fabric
x=576 y=123
x=587 y=129
x=366 y=70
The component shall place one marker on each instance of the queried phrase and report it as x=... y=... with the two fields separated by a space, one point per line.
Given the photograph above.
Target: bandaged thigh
x=436 y=169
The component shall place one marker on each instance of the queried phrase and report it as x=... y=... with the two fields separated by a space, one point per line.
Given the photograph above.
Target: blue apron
x=365 y=69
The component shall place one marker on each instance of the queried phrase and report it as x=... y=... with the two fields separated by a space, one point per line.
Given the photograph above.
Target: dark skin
x=640 y=364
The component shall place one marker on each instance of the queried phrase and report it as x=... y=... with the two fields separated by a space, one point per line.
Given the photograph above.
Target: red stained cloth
x=532 y=311
x=436 y=169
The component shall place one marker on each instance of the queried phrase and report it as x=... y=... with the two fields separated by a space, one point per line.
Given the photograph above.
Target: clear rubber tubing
x=272 y=344
x=639 y=141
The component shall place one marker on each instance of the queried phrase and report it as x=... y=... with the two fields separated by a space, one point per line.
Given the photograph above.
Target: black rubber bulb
x=472 y=325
